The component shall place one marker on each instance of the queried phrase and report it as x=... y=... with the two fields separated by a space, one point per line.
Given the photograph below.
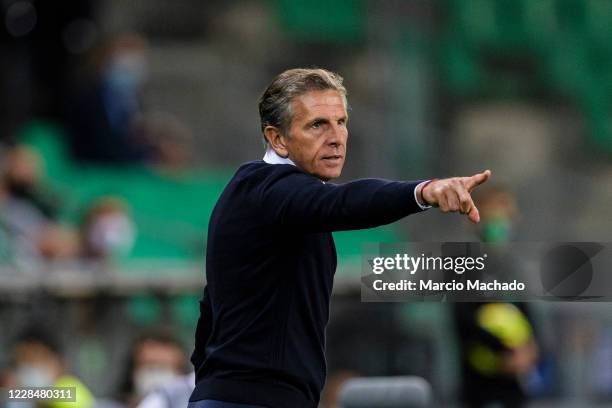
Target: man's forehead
x=327 y=101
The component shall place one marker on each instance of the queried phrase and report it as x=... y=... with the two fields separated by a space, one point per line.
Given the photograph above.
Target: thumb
x=477 y=179
x=474 y=215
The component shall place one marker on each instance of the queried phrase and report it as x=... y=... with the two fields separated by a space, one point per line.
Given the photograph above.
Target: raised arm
x=297 y=200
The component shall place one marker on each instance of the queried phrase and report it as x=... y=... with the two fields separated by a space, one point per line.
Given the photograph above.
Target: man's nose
x=335 y=136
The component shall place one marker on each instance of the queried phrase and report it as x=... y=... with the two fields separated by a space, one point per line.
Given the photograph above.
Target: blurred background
x=121 y=122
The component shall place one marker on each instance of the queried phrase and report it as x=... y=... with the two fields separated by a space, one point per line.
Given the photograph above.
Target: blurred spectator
x=101 y=118
x=170 y=139
x=156 y=359
x=23 y=174
x=57 y=242
x=27 y=212
x=107 y=230
x=498 y=214
x=174 y=394
x=498 y=350
x=496 y=340
x=333 y=385
x=38 y=362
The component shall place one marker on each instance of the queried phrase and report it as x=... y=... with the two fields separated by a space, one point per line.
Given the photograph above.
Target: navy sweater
x=270 y=264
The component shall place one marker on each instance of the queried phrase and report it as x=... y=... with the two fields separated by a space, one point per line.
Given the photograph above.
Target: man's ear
x=276 y=141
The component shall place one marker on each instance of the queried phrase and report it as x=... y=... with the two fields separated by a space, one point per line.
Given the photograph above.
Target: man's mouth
x=335 y=157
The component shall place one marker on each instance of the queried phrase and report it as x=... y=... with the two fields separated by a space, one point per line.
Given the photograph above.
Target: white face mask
x=112 y=234
x=149 y=379
x=30 y=375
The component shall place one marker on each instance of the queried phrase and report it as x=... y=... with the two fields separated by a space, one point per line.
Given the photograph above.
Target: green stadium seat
x=331 y=21
x=144 y=310
x=599 y=22
x=185 y=310
x=572 y=16
x=48 y=139
x=462 y=72
x=541 y=23
x=568 y=42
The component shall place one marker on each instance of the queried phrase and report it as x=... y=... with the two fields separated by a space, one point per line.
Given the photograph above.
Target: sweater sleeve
x=292 y=198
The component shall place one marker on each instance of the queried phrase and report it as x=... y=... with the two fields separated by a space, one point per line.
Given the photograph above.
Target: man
x=271 y=259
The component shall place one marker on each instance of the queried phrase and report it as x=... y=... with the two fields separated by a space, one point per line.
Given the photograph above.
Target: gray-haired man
x=271 y=257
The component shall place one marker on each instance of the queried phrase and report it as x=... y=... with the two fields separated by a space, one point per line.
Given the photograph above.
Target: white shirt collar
x=271 y=157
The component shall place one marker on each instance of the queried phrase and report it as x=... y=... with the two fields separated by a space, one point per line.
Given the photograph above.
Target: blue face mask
x=126 y=72
x=496 y=230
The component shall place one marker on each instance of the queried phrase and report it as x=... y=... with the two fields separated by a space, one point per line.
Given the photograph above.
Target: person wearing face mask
x=499 y=212
x=156 y=360
x=171 y=394
x=107 y=230
x=38 y=362
x=497 y=342
x=102 y=114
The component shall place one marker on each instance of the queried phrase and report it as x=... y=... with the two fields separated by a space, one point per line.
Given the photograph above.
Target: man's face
x=152 y=353
x=318 y=134
x=155 y=364
x=36 y=365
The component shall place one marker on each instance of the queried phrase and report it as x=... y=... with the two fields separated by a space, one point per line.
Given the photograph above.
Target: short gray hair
x=275 y=102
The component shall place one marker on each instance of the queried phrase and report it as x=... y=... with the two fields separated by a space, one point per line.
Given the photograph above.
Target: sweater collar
x=271 y=157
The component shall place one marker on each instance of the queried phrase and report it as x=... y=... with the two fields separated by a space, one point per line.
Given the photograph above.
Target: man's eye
x=316 y=125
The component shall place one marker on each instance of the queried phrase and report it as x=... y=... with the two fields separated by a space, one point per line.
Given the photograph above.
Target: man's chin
x=330 y=175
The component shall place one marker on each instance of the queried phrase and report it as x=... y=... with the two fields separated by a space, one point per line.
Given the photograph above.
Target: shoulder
x=257 y=182
x=263 y=168
x=264 y=174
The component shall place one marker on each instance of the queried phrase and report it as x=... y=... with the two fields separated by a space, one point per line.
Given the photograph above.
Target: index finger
x=477 y=179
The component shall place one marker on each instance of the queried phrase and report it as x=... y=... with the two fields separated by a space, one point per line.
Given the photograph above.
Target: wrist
x=420 y=193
